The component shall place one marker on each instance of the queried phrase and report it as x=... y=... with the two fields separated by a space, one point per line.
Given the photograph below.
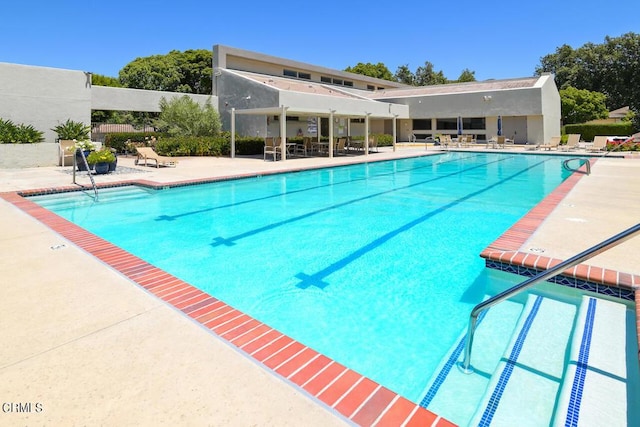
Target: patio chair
x=271 y=148
x=599 y=144
x=147 y=154
x=373 y=143
x=66 y=149
x=554 y=142
x=572 y=142
x=305 y=147
x=340 y=146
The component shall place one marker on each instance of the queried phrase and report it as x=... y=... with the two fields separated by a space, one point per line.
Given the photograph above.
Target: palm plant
x=72 y=130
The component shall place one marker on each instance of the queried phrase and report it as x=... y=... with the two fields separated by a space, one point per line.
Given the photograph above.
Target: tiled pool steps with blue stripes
x=561 y=365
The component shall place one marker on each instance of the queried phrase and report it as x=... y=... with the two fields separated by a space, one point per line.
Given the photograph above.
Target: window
x=348 y=83
x=325 y=79
x=371 y=87
x=306 y=76
x=289 y=118
x=337 y=81
x=473 y=123
x=357 y=120
x=290 y=73
x=380 y=88
x=447 y=124
x=422 y=124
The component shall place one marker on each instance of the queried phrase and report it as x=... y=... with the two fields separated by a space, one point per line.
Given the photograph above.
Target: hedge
x=118 y=140
x=193 y=146
x=589 y=131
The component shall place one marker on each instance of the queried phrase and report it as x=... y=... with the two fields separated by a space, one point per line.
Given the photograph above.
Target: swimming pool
x=374 y=265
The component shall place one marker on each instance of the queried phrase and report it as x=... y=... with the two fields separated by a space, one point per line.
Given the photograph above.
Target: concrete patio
x=85 y=346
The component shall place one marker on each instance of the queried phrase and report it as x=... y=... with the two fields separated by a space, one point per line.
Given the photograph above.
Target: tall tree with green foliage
x=581 y=105
x=466 y=76
x=426 y=76
x=404 y=75
x=611 y=68
x=188 y=72
x=182 y=116
x=100 y=80
x=378 y=71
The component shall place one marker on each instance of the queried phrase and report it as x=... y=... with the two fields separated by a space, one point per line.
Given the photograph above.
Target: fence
x=100 y=130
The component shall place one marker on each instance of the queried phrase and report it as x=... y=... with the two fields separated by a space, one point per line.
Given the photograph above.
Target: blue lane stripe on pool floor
x=573 y=412
x=446 y=369
x=490 y=410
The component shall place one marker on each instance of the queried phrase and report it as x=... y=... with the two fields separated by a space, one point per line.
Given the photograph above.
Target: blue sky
x=496 y=39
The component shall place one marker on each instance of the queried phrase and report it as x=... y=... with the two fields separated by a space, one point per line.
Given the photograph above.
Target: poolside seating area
x=311 y=147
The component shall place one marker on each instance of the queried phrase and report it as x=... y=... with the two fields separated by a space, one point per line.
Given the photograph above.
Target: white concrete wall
x=44 y=97
x=15 y=156
x=124 y=99
x=551 y=109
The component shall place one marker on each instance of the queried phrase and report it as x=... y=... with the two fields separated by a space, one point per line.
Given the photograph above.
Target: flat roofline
x=223 y=51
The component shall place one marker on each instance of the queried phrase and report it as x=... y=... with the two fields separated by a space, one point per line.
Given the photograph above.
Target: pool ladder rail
x=586 y=162
x=86 y=165
x=465 y=365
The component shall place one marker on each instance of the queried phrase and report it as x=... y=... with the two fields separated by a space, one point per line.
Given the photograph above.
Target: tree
x=100 y=80
x=610 y=68
x=404 y=75
x=182 y=116
x=581 y=105
x=467 y=76
x=378 y=71
x=427 y=76
x=189 y=72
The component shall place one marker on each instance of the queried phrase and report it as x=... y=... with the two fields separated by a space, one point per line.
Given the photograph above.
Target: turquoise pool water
x=375 y=265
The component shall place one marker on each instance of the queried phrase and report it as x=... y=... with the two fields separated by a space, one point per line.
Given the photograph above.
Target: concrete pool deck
x=83 y=346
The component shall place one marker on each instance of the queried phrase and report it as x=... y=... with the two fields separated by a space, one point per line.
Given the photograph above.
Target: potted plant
x=73 y=130
x=101 y=159
x=82 y=147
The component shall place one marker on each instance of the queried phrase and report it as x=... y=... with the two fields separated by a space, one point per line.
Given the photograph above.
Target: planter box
x=15 y=156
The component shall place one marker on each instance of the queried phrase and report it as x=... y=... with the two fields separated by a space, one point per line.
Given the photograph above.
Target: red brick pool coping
x=507 y=248
x=349 y=393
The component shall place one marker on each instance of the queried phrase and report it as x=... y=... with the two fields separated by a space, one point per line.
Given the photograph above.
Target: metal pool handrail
x=465 y=365
x=565 y=164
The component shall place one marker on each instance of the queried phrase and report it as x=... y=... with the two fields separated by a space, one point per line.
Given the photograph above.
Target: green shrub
x=589 y=131
x=384 y=140
x=185 y=117
x=193 y=146
x=118 y=140
x=101 y=156
x=249 y=145
x=73 y=130
x=10 y=133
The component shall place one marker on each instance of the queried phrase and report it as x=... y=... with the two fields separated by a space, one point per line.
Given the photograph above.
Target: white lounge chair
x=572 y=142
x=146 y=154
x=599 y=144
x=553 y=143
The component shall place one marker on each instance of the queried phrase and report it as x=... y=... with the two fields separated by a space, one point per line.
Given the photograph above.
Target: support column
x=331 y=133
x=366 y=134
x=395 y=118
x=233 y=133
x=283 y=133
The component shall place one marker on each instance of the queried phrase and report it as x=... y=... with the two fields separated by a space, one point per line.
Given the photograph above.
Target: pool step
x=80 y=198
x=523 y=389
x=594 y=392
x=449 y=388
